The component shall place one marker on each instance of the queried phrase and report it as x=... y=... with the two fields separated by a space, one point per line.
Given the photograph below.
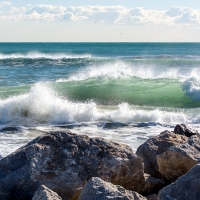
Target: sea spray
x=192 y=87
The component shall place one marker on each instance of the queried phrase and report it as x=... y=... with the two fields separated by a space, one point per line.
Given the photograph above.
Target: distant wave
x=64 y=55
x=111 y=70
x=121 y=69
x=43 y=106
x=40 y=55
x=163 y=57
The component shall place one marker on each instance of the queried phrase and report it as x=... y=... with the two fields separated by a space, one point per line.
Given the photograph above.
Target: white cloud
x=5 y=3
x=105 y=14
x=176 y=11
x=41 y=9
x=189 y=17
x=16 y=11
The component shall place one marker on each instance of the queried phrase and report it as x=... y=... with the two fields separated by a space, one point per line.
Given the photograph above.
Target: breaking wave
x=43 y=106
x=120 y=69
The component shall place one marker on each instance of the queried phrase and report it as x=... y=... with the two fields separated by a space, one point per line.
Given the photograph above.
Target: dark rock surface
x=3 y=195
x=152 y=185
x=184 y=129
x=98 y=189
x=155 y=146
x=64 y=162
x=44 y=193
x=152 y=197
x=186 y=187
x=177 y=160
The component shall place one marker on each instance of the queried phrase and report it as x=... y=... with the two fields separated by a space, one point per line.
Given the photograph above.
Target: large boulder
x=186 y=187
x=98 y=189
x=155 y=146
x=64 y=162
x=44 y=193
x=177 y=160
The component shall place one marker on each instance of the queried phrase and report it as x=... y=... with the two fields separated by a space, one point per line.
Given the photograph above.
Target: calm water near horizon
x=126 y=92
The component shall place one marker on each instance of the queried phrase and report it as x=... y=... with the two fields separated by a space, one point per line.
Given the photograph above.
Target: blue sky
x=109 y=21
x=150 y=4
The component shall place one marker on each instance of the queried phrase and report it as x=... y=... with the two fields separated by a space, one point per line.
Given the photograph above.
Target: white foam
x=42 y=106
x=191 y=86
x=110 y=71
x=12 y=140
x=126 y=114
x=40 y=55
x=121 y=69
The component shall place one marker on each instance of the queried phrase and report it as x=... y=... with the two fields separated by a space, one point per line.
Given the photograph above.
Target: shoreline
x=59 y=156
x=132 y=135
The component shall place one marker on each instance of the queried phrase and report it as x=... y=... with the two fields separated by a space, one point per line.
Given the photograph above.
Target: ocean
x=126 y=92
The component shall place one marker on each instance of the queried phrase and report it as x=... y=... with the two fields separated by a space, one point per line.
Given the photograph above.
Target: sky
x=100 y=21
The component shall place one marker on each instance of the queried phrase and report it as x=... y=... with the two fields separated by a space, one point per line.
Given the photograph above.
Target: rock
x=184 y=129
x=155 y=146
x=186 y=187
x=194 y=141
x=98 y=189
x=64 y=162
x=177 y=160
x=152 y=197
x=3 y=195
x=152 y=185
x=44 y=193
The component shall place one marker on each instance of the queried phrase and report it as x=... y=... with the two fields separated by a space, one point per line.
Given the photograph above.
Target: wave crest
x=43 y=105
x=120 y=69
x=40 y=55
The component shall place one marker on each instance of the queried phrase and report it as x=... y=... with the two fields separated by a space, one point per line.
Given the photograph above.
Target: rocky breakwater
x=64 y=162
x=174 y=157
x=63 y=165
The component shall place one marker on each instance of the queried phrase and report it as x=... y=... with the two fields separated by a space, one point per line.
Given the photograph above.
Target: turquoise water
x=127 y=88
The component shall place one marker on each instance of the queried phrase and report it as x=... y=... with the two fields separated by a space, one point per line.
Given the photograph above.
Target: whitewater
x=126 y=92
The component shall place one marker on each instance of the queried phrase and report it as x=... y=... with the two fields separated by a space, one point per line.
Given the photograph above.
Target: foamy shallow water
x=12 y=138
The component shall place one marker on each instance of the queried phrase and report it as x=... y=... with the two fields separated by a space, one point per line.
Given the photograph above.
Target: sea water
x=126 y=92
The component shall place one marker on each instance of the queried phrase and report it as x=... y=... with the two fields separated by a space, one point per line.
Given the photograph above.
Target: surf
x=42 y=105
x=41 y=55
